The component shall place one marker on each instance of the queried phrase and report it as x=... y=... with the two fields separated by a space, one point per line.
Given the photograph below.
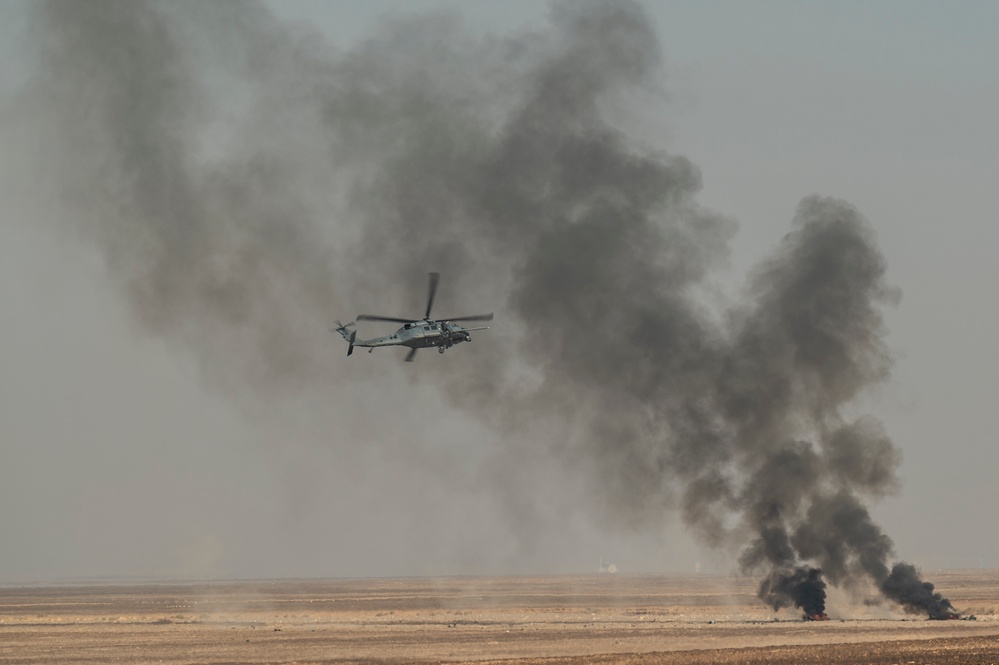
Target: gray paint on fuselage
x=414 y=335
x=417 y=335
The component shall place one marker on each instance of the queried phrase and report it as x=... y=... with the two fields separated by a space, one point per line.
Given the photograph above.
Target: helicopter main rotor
x=435 y=277
x=431 y=294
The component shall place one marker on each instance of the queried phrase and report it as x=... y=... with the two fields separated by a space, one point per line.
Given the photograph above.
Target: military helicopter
x=416 y=334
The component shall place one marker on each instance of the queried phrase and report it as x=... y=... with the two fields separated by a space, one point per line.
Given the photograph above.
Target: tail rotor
x=347 y=333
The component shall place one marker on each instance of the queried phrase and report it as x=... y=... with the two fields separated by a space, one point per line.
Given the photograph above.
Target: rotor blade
x=373 y=317
x=411 y=355
x=474 y=317
x=431 y=292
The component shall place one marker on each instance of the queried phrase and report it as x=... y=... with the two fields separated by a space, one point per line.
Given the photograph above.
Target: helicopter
x=416 y=334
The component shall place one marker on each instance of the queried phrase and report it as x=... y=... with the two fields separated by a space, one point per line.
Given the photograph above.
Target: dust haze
x=246 y=182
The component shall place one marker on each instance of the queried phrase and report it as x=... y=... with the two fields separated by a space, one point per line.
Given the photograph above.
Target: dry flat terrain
x=591 y=619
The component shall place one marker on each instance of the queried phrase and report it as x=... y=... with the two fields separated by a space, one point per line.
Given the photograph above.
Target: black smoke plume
x=247 y=182
x=801 y=587
x=916 y=596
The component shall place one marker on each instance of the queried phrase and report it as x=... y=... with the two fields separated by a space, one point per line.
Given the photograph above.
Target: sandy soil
x=594 y=619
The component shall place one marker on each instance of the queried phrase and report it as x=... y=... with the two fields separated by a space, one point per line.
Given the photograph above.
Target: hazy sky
x=119 y=458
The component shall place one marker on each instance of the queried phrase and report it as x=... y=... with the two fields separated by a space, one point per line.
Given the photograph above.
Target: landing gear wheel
x=440 y=350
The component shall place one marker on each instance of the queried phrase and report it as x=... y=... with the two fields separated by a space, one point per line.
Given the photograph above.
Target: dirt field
x=593 y=619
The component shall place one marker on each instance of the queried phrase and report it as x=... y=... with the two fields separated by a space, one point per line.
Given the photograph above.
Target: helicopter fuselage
x=422 y=335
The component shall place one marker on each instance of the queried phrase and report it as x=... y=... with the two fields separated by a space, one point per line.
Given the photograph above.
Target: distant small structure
x=607 y=567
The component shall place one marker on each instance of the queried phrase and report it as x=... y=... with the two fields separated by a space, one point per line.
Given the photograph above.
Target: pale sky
x=117 y=459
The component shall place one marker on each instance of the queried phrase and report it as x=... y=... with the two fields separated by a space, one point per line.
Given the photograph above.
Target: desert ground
x=556 y=619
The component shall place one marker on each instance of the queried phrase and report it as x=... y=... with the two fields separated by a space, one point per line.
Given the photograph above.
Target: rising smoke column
x=904 y=586
x=802 y=587
x=225 y=261
x=342 y=175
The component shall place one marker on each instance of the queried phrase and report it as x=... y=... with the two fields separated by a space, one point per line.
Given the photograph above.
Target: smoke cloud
x=247 y=182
